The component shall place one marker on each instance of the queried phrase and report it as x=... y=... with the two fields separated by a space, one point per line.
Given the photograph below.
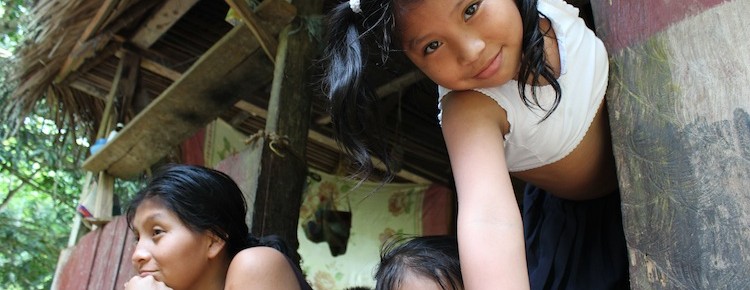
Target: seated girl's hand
x=148 y=282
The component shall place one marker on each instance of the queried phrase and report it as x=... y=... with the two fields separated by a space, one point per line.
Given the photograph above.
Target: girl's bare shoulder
x=260 y=266
x=473 y=107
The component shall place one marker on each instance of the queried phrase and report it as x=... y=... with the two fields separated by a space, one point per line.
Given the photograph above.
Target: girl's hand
x=148 y=282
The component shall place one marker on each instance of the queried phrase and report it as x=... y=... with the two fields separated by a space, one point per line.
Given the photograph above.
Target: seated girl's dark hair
x=433 y=257
x=273 y=241
x=205 y=200
x=353 y=102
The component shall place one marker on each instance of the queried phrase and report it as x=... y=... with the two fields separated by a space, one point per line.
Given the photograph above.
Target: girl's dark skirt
x=574 y=244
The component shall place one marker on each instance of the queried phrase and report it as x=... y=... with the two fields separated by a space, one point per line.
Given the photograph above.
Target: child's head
x=429 y=262
x=458 y=44
x=203 y=199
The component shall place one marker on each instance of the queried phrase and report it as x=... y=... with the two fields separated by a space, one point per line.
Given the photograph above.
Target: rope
x=277 y=143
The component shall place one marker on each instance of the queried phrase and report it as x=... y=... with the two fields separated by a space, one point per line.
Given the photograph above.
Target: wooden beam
x=160 y=22
x=330 y=143
x=90 y=89
x=156 y=68
x=268 y=43
x=233 y=66
x=88 y=46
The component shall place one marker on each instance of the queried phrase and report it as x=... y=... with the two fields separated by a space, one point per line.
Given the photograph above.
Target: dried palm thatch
x=61 y=30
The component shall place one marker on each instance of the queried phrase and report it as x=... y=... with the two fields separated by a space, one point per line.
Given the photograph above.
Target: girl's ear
x=215 y=245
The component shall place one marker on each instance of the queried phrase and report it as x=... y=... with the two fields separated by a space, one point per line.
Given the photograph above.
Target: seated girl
x=189 y=224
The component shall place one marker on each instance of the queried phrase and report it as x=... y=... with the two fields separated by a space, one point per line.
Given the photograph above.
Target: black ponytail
x=533 y=61
x=353 y=102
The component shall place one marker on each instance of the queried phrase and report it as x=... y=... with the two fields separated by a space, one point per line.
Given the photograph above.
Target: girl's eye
x=431 y=47
x=158 y=232
x=470 y=11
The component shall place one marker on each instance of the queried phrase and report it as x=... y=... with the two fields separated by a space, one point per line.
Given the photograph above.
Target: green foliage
x=13 y=16
x=40 y=176
x=40 y=183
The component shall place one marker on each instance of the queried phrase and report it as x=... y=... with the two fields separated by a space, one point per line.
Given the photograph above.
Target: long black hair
x=433 y=257
x=352 y=36
x=204 y=200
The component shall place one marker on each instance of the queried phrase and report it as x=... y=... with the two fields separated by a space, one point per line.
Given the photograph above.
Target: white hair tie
x=354 y=5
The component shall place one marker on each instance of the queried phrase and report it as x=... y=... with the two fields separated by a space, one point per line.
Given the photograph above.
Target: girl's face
x=462 y=44
x=167 y=249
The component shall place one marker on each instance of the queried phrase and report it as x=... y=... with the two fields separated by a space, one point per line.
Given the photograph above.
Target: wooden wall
x=679 y=103
x=100 y=260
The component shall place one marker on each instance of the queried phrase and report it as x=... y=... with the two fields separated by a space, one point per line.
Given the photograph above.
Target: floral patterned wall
x=394 y=209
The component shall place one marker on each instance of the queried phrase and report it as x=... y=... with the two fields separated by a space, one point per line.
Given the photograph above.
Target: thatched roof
x=72 y=62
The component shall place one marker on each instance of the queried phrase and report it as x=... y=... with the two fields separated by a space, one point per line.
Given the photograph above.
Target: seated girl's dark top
x=298 y=273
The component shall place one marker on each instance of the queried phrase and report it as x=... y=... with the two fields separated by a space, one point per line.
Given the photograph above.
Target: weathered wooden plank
x=87 y=50
x=76 y=271
x=679 y=104
x=126 y=269
x=155 y=67
x=230 y=68
x=109 y=252
x=631 y=22
x=161 y=21
x=94 y=25
x=90 y=89
x=268 y=43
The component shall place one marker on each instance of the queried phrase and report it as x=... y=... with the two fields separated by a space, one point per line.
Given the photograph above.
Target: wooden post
x=678 y=102
x=283 y=171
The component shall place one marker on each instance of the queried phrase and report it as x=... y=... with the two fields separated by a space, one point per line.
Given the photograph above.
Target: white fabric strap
x=354 y=5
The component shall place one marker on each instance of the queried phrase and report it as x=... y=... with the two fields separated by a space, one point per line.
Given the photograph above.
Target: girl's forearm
x=492 y=252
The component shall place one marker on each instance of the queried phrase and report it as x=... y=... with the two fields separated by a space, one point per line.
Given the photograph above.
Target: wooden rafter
x=92 y=42
x=94 y=25
x=268 y=43
x=160 y=21
x=156 y=68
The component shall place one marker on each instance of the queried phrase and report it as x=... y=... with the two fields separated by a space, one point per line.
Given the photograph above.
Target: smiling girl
x=521 y=93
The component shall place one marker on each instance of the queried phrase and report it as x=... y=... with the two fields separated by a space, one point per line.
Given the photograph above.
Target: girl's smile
x=492 y=67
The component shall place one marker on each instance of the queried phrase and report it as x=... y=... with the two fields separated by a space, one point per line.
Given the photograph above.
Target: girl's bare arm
x=490 y=231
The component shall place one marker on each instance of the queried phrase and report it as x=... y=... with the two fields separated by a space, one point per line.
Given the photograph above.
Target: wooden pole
x=679 y=108
x=283 y=169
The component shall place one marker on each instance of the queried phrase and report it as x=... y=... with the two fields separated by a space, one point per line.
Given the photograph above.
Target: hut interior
x=84 y=50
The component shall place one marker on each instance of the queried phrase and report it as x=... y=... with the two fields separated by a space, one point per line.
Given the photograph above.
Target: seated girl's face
x=166 y=248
